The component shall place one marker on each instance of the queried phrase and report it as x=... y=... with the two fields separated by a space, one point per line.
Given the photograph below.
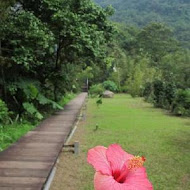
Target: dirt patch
x=184 y=182
x=68 y=174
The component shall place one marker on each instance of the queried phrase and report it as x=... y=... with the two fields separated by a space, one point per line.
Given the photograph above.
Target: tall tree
x=157 y=40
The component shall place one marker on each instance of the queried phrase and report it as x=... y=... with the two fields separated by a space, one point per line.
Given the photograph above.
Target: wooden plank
x=64 y=118
x=20 y=188
x=55 y=125
x=63 y=125
x=24 y=165
x=48 y=147
x=54 y=129
x=30 y=153
x=45 y=133
x=41 y=140
x=37 y=158
x=21 y=182
x=65 y=112
x=15 y=172
x=38 y=145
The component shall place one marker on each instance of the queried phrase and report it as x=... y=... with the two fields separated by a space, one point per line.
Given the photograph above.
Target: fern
x=29 y=87
x=32 y=97
x=56 y=105
x=31 y=91
x=44 y=101
x=30 y=108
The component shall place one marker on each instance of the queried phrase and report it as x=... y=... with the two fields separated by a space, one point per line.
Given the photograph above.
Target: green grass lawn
x=142 y=130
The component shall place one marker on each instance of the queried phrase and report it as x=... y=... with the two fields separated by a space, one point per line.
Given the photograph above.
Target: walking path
x=27 y=164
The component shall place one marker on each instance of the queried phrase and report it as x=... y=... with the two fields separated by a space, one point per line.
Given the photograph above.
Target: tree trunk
x=4 y=94
x=56 y=70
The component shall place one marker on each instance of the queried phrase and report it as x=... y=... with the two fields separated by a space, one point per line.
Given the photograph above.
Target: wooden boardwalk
x=27 y=164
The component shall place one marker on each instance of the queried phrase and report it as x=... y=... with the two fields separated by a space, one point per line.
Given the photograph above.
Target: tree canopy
x=174 y=13
x=44 y=44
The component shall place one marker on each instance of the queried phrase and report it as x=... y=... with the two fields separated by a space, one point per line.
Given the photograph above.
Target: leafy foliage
x=96 y=90
x=4 y=113
x=156 y=40
x=30 y=108
x=110 y=85
x=43 y=47
x=181 y=104
x=164 y=93
x=174 y=13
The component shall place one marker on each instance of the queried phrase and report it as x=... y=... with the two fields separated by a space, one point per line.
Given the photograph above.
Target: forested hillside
x=175 y=13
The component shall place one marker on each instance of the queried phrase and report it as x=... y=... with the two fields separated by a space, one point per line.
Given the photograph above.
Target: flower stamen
x=136 y=162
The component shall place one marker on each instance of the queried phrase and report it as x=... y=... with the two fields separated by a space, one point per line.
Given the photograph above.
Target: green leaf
x=30 y=108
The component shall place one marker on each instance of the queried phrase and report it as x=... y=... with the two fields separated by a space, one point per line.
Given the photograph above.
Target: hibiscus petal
x=104 y=182
x=117 y=157
x=138 y=180
x=97 y=158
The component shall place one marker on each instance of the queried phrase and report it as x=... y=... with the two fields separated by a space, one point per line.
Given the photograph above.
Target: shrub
x=166 y=95
x=148 y=92
x=4 y=113
x=124 y=89
x=170 y=92
x=96 y=90
x=158 y=93
x=163 y=93
x=147 y=89
x=110 y=85
x=181 y=104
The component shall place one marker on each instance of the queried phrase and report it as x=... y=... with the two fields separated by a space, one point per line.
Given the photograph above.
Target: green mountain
x=175 y=13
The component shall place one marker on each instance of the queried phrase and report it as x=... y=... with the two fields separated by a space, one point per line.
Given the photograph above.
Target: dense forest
x=49 y=48
x=174 y=13
x=45 y=48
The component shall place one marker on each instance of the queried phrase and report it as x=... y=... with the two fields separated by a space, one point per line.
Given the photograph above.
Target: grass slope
x=143 y=130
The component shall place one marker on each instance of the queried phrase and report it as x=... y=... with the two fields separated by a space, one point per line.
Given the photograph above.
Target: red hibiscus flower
x=118 y=170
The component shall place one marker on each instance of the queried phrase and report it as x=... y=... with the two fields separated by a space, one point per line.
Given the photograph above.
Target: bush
x=96 y=90
x=148 y=92
x=181 y=104
x=158 y=93
x=166 y=95
x=124 y=89
x=110 y=85
x=4 y=113
x=163 y=93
